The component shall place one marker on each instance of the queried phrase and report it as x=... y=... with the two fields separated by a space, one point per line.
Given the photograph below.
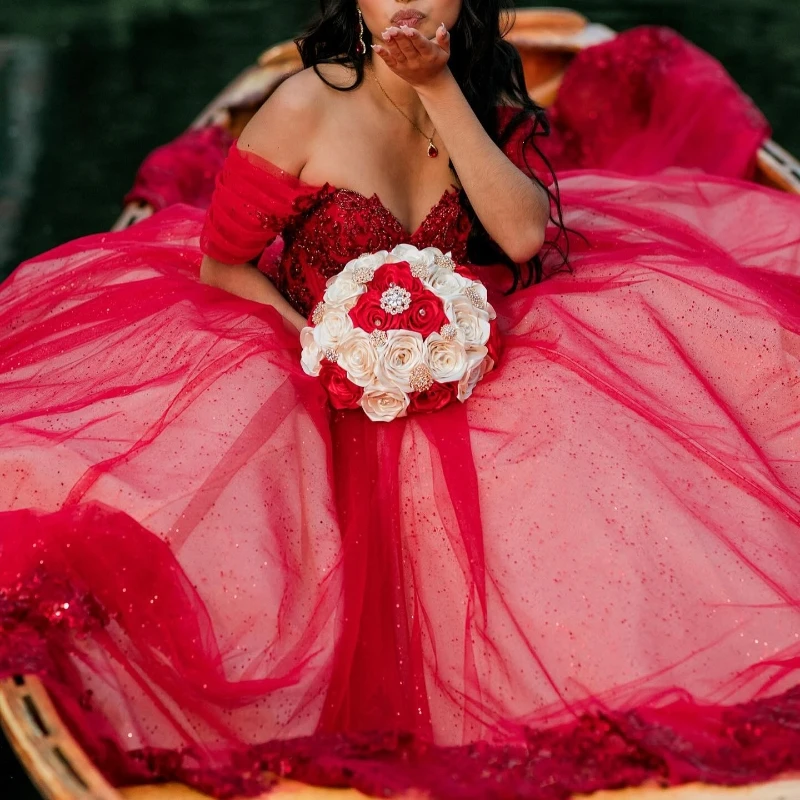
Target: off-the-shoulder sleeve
x=253 y=202
x=520 y=145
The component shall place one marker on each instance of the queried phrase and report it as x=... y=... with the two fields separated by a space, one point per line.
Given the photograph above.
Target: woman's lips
x=410 y=18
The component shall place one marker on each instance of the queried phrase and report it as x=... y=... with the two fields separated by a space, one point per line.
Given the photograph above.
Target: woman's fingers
x=404 y=44
x=392 y=45
x=443 y=38
x=421 y=45
x=388 y=58
x=413 y=56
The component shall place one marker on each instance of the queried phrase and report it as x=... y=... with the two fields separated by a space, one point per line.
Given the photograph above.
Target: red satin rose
x=342 y=392
x=368 y=315
x=426 y=315
x=398 y=274
x=436 y=398
x=495 y=343
x=465 y=272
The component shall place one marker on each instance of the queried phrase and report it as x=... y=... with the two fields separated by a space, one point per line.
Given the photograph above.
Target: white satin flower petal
x=404 y=350
x=384 y=403
x=336 y=325
x=358 y=357
x=472 y=322
x=311 y=359
x=445 y=358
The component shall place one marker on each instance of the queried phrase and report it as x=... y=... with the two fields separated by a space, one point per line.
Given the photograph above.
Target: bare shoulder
x=284 y=128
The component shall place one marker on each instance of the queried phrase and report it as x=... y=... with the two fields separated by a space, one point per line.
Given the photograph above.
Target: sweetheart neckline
x=328 y=188
x=447 y=196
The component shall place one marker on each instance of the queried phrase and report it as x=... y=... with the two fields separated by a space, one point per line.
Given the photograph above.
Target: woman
x=583 y=577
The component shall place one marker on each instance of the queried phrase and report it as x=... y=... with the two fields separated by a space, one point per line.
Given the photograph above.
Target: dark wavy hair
x=489 y=72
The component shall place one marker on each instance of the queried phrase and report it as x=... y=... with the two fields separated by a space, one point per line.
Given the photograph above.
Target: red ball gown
x=586 y=576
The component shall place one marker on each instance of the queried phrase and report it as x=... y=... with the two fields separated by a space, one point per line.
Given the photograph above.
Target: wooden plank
x=778 y=790
x=58 y=767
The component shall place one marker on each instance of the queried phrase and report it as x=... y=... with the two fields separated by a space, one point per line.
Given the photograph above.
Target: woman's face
x=425 y=15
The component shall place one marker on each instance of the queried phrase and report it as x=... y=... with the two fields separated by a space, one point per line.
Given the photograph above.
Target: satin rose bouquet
x=403 y=332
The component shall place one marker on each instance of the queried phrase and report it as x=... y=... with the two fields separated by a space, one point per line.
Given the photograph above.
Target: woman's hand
x=417 y=60
x=247 y=281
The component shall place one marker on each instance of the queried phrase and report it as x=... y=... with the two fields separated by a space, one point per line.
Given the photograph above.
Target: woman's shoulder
x=283 y=130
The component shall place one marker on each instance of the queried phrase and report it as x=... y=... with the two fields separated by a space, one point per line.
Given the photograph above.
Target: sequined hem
x=678 y=742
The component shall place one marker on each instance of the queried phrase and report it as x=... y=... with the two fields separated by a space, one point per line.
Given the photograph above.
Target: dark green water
x=94 y=85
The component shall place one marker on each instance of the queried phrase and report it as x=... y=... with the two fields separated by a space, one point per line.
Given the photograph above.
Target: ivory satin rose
x=472 y=322
x=383 y=404
x=335 y=327
x=343 y=290
x=369 y=261
x=404 y=351
x=358 y=358
x=446 y=359
x=311 y=359
x=446 y=283
x=479 y=364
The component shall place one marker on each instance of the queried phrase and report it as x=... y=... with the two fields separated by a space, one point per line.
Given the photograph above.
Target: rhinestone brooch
x=420 y=270
x=448 y=332
x=474 y=296
x=363 y=275
x=332 y=356
x=420 y=379
x=445 y=262
x=319 y=313
x=395 y=300
x=379 y=338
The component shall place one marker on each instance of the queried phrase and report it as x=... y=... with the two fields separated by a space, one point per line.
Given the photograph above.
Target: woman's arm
x=245 y=280
x=513 y=208
x=279 y=144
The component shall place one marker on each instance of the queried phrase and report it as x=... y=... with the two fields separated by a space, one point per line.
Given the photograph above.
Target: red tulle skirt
x=586 y=576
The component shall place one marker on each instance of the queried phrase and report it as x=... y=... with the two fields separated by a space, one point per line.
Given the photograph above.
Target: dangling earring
x=361 y=47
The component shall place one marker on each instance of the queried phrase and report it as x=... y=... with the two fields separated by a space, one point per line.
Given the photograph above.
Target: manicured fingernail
x=443 y=28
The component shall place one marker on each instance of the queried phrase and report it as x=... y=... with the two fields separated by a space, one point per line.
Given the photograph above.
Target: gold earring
x=361 y=47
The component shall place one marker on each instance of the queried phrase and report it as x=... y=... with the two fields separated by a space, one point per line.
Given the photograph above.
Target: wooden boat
x=547 y=39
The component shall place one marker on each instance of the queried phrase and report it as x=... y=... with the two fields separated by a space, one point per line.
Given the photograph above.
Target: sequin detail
x=340 y=225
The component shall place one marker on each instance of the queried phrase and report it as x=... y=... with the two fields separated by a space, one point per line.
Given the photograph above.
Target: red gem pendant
x=433 y=150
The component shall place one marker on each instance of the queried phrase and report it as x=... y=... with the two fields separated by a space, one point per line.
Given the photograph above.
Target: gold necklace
x=433 y=150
